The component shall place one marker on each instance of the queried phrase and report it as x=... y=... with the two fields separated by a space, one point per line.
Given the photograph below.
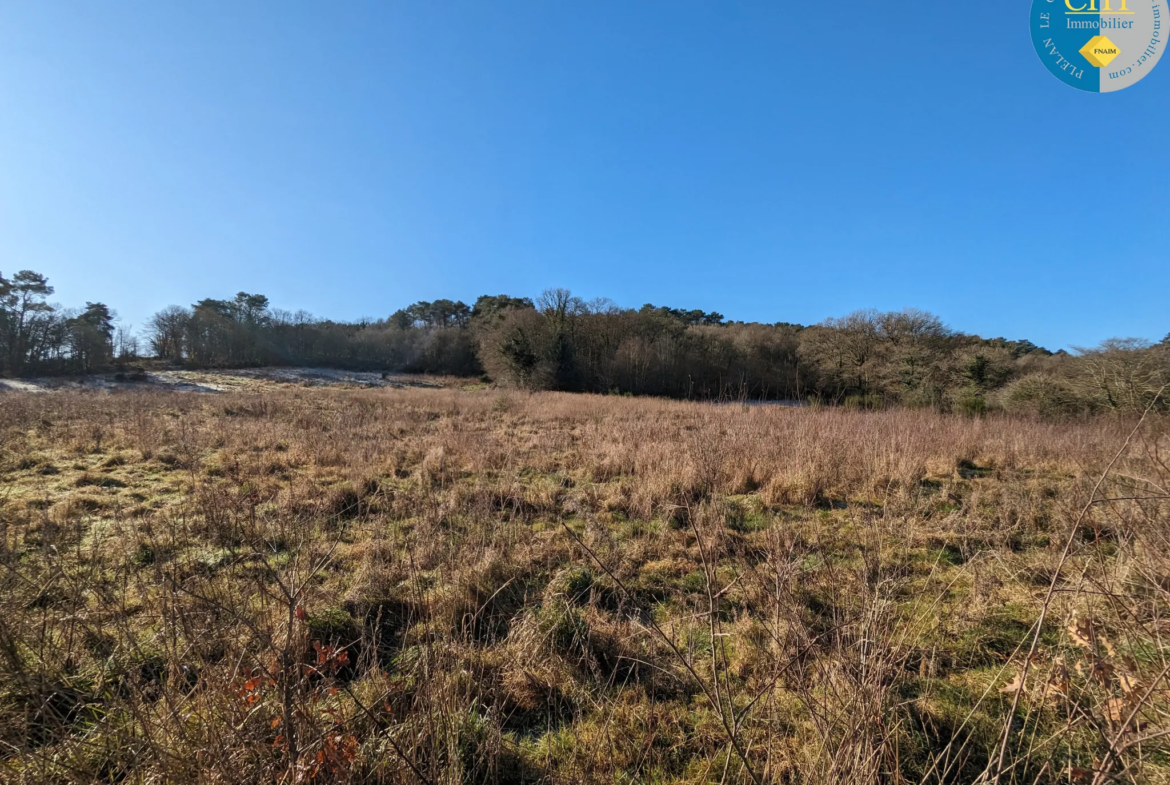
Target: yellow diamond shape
x=1100 y=51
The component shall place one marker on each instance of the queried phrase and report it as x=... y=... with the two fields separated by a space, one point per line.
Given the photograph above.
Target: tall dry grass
x=439 y=586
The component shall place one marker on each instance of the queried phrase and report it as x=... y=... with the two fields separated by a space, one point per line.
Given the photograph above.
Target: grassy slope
x=478 y=587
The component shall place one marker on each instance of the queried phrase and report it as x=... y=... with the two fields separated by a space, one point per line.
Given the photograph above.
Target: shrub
x=1044 y=396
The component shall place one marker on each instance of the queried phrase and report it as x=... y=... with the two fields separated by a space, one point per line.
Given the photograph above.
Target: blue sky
x=772 y=161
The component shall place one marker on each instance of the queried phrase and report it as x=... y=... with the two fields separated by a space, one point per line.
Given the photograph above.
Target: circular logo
x=1101 y=46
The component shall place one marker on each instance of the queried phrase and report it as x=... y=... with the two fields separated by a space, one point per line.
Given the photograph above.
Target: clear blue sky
x=772 y=161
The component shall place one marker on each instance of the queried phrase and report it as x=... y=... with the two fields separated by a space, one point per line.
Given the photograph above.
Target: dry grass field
x=440 y=586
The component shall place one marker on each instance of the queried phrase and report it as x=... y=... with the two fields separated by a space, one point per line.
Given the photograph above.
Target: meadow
x=475 y=586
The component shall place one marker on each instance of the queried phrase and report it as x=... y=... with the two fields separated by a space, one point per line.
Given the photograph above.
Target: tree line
x=37 y=337
x=866 y=359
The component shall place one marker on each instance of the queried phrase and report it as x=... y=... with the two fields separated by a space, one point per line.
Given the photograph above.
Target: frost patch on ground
x=20 y=385
x=220 y=380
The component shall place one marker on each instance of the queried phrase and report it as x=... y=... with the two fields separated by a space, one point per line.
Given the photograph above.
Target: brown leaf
x=1058 y=681
x=1015 y=685
x=1102 y=671
x=1127 y=676
x=1080 y=631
